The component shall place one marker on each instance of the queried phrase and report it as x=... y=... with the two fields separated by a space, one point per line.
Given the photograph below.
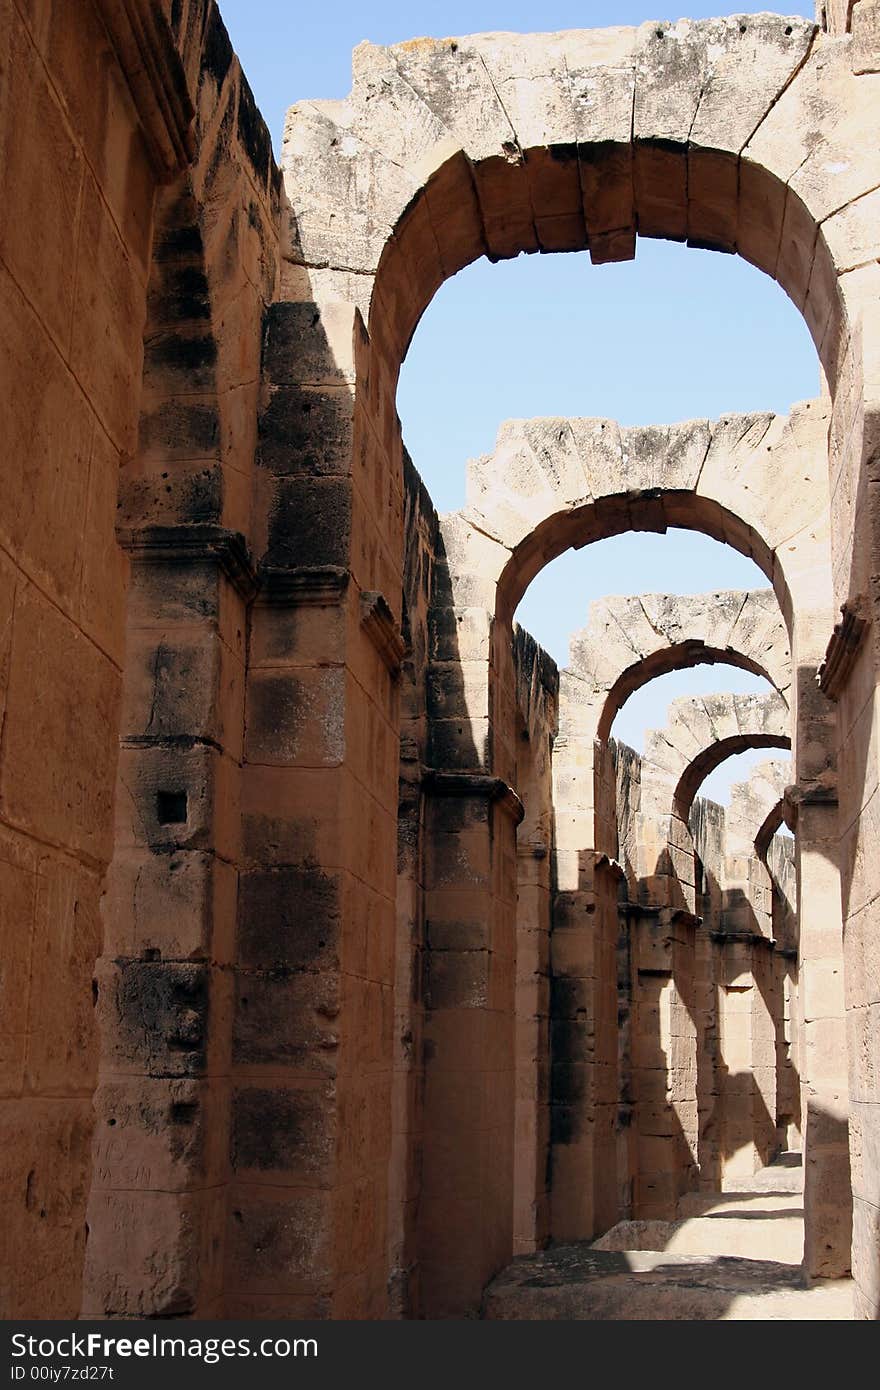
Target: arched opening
x=667 y=336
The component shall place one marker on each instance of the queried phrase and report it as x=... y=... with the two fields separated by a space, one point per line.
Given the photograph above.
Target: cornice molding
x=295 y=585
x=151 y=65
x=193 y=545
x=378 y=623
x=475 y=784
x=843 y=648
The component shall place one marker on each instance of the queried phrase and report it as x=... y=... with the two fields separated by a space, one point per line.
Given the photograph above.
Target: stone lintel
x=479 y=785
x=745 y=938
x=290 y=586
x=193 y=545
x=148 y=57
x=377 y=620
x=842 y=649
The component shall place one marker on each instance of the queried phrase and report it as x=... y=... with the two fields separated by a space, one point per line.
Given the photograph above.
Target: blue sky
x=676 y=334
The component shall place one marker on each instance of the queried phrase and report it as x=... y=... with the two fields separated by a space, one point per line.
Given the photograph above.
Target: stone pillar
x=747 y=1054
x=157 y=1210
x=664 y=1062
x=531 y=1221
x=788 y=1093
x=824 y=1085
x=707 y=821
x=315 y=935
x=584 y=1088
x=466 y=1212
x=764 y=1066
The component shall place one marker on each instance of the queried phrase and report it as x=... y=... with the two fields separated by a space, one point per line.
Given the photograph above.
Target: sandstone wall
x=175 y=1125
x=85 y=144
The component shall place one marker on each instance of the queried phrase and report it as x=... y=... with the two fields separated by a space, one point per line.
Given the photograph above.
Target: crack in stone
x=781 y=93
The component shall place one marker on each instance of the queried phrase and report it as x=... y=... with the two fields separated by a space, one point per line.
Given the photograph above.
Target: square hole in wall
x=171 y=808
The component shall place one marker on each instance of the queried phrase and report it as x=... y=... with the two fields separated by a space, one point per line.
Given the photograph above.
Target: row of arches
x=570 y=821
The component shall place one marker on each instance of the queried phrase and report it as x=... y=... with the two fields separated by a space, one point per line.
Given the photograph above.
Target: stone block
x=44 y=1180
x=287 y=1020
x=160 y=1134
x=310 y=522
x=289 y=919
x=284 y=1135
x=49 y=440
x=60 y=753
x=161 y=1017
x=171 y=1243
x=38 y=213
x=174 y=797
x=108 y=320
x=279 y=1243
x=62 y=1044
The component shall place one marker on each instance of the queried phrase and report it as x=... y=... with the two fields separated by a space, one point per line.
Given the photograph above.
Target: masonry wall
x=76 y=213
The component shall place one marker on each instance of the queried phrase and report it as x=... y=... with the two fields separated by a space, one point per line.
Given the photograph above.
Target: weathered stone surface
x=403 y=967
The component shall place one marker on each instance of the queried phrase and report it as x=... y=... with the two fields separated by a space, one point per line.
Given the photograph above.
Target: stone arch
x=756 y=482
x=707 y=762
x=498 y=144
x=664 y=633
x=744 y=629
x=551 y=484
x=753 y=818
x=699 y=734
x=759 y=803
x=447 y=150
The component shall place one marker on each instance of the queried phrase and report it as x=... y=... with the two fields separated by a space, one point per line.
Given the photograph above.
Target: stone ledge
x=474 y=784
x=193 y=545
x=378 y=623
x=302 y=584
x=743 y=938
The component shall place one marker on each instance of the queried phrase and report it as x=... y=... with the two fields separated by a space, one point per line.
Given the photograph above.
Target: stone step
x=784 y=1174
x=579 y=1282
x=746 y=1230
